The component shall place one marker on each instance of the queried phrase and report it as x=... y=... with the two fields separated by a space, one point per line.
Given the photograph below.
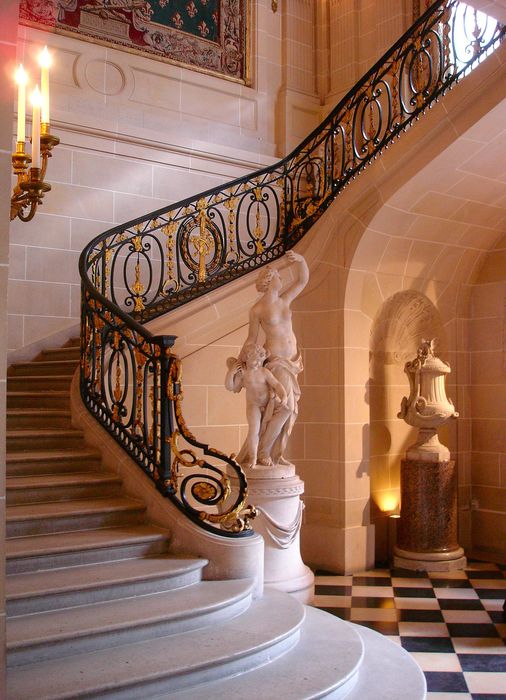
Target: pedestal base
x=430 y=561
x=276 y=494
x=427 y=529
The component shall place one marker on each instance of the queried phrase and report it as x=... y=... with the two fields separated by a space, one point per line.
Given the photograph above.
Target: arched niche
x=398 y=327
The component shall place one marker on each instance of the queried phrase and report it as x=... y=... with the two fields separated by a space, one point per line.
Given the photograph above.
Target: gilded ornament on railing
x=138 y=288
x=170 y=283
x=199 y=244
x=231 y=205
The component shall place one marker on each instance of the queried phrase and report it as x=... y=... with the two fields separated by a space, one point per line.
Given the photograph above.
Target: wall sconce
x=31 y=186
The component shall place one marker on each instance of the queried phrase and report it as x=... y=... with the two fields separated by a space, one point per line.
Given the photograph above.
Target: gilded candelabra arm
x=31 y=187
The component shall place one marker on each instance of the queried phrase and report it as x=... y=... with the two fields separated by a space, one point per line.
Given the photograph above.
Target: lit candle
x=44 y=62
x=36 y=100
x=21 y=80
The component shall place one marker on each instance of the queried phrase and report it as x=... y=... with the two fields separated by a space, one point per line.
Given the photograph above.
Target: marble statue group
x=269 y=372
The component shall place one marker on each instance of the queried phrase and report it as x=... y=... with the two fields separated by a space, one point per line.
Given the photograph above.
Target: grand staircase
x=98 y=607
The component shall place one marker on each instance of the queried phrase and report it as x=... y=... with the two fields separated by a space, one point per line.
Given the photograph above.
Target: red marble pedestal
x=427 y=528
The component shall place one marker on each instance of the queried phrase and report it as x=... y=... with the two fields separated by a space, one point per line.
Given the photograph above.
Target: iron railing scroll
x=135 y=272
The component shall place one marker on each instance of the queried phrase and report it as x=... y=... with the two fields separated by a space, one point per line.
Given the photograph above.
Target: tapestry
x=208 y=35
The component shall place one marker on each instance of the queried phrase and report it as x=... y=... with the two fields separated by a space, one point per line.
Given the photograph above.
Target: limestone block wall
x=136 y=134
x=8 y=23
x=487 y=339
x=359 y=33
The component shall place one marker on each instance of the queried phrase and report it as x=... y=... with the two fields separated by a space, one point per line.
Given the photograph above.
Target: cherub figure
x=263 y=391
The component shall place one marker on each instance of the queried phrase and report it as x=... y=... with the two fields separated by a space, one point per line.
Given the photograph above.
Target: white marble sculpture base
x=430 y=561
x=276 y=491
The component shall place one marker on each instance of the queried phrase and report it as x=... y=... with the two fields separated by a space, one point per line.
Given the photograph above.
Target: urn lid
x=426 y=360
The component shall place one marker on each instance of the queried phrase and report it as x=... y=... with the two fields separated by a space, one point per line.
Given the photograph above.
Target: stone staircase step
x=63 y=516
x=64 y=353
x=46 y=367
x=269 y=628
x=51 y=551
x=52 y=461
x=39 y=418
x=40 y=591
x=40 y=382
x=89 y=628
x=29 y=440
x=73 y=342
x=41 y=399
x=387 y=672
x=326 y=663
x=61 y=487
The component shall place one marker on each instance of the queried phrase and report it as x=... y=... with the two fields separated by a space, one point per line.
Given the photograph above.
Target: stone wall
x=8 y=23
x=487 y=339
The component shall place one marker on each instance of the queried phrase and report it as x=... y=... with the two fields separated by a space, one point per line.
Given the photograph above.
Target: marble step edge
x=312 y=670
x=269 y=628
x=325 y=664
x=51 y=589
x=73 y=508
x=27 y=369
x=60 y=480
x=54 y=454
x=50 y=551
x=32 y=434
x=62 y=516
x=88 y=628
x=62 y=486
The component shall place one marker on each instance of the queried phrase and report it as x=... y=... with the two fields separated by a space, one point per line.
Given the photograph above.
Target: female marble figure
x=272 y=314
x=262 y=392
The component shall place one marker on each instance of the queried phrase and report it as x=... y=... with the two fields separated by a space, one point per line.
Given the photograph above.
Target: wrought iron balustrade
x=134 y=272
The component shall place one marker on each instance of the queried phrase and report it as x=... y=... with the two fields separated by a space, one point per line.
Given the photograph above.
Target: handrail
x=134 y=272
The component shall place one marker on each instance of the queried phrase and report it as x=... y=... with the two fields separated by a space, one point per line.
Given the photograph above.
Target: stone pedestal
x=276 y=491
x=427 y=528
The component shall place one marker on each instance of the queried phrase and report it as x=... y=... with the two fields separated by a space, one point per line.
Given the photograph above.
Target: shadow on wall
x=399 y=326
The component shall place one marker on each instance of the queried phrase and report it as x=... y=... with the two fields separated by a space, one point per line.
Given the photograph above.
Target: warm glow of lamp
x=21 y=80
x=36 y=102
x=387 y=502
x=44 y=63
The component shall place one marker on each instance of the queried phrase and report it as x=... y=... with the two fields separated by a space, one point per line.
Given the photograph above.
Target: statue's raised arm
x=302 y=272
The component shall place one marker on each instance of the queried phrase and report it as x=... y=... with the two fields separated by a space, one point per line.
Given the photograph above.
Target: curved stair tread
x=43 y=364
x=389 y=672
x=325 y=664
x=183 y=608
x=74 y=508
x=61 y=479
x=316 y=668
x=38 y=545
x=54 y=454
x=268 y=628
x=40 y=411
x=44 y=432
x=89 y=576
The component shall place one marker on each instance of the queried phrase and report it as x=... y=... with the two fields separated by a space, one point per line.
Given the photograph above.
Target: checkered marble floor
x=452 y=623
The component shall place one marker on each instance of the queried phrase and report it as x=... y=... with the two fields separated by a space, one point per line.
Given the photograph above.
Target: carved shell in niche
x=404 y=318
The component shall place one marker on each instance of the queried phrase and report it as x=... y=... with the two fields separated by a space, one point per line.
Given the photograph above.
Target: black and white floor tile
x=452 y=623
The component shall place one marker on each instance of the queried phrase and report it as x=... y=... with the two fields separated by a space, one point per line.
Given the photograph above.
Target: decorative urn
x=427 y=406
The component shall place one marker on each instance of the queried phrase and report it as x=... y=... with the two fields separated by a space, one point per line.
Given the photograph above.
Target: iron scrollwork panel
x=146 y=267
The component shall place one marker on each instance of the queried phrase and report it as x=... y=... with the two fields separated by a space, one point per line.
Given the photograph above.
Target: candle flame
x=36 y=97
x=44 y=58
x=21 y=75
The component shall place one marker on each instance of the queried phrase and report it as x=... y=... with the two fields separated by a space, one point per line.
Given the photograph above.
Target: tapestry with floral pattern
x=209 y=35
